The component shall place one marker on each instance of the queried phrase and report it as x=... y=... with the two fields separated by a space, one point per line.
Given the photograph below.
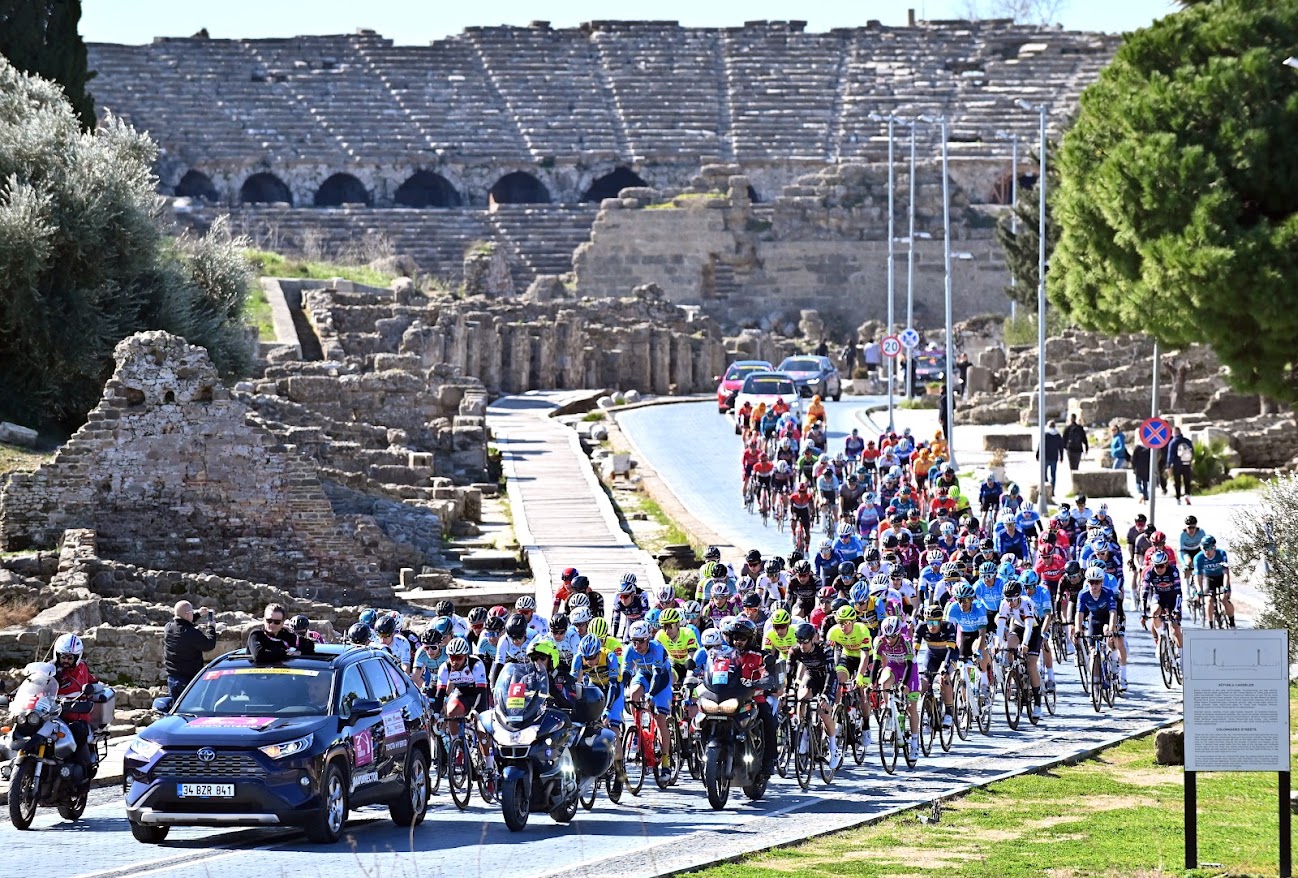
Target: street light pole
x=892 y=361
x=1041 y=310
x=910 y=268
x=946 y=256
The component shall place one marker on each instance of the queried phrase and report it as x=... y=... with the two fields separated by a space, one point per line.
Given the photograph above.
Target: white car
x=767 y=387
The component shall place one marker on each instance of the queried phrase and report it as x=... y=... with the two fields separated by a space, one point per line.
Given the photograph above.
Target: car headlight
x=142 y=749
x=288 y=748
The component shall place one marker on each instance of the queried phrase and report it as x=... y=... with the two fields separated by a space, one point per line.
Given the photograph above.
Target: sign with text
x=1236 y=700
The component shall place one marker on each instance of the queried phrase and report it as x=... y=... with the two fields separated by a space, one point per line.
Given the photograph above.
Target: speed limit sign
x=891 y=346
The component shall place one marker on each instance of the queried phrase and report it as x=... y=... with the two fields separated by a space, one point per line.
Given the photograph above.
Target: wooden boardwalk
x=562 y=517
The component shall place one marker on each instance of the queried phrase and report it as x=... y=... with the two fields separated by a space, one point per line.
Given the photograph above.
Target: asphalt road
x=660 y=832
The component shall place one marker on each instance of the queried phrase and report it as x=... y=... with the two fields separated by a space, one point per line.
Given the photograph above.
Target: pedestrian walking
x=1140 y=464
x=962 y=365
x=871 y=357
x=1054 y=451
x=184 y=644
x=1075 y=442
x=1117 y=447
x=1180 y=457
x=848 y=356
x=822 y=349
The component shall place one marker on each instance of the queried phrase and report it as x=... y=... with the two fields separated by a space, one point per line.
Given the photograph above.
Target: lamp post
x=892 y=361
x=949 y=402
x=1013 y=138
x=910 y=263
x=1041 y=309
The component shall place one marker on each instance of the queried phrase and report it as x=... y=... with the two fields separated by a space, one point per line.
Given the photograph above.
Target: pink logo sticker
x=364 y=744
x=257 y=723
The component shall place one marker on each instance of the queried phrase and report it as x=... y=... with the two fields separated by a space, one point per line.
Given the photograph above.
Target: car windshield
x=800 y=364
x=739 y=371
x=253 y=691
x=933 y=360
x=768 y=385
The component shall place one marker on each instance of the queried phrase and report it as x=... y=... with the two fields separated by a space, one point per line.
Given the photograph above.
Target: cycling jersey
x=968 y=621
x=849 y=549
x=399 y=649
x=486 y=648
x=1105 y=604
x=772 y=590
x=1213 y=567
x=1051 y=566
x=654 y=658
x=680 y=648
x=935 y=638
x=1006 y=543
x=600 y=669
x=1027 y=518
x=989 y=595
x=1041 y=598
x=1168 y=582
x=849 y=643
x=1023 y=616
x=819 y=666
x=1190 y=544
x=773 y=642
x=472 y=674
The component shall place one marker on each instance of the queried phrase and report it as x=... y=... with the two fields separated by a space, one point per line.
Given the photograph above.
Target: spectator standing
x=183 y=646
x=275 y=641
x=1140 y=463
x=1180 y=456
x=822 y=349
x=1054 y=451
x=962 y=365
x=1118 y=447
x=849 y=356
x=871 y=357
x=1075 y=442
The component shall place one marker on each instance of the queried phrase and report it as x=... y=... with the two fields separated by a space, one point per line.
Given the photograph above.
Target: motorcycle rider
x=74 y=677
x=544 y=654
x=757 y=669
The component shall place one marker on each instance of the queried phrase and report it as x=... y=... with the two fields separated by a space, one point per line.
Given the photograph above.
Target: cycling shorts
x=936 y=659
x=1170 y=603
x=814 y=681
x=1096 y=622
x=802 y=514
x=468 y=699
x=1034 y=642
x=967 y=643
x=1217 y=585
x=909 y=679
x=991 y=619
x=662 y=696
x=765 y=480
x=850 y=665
x=828 y=496
x=616 y=708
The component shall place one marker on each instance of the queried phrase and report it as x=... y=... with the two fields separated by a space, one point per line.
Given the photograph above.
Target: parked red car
x=734 y=379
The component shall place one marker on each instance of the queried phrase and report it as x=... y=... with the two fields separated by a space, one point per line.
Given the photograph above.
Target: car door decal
x=363 y=745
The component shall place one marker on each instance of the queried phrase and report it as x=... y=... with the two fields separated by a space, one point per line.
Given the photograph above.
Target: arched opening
x=426 y=189
x=753 y=196
x=264 y=188
x=341 y=189
x=1003 y=189
x=609 y=185
x=519 y=187
x=196 y=184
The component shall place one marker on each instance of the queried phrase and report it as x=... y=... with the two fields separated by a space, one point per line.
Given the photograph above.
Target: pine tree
x=40 y=37
x=1021 y=249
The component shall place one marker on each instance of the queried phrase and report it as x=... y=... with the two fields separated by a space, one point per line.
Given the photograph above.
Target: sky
x=420 y=21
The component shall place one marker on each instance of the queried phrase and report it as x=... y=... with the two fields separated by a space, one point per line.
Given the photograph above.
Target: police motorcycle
x=731 y=728
x=543 y=754
x=44 y=770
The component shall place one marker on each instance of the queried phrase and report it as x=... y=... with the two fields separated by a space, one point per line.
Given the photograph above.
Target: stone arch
x=519 y=187
x=609 y=185
x=340 y=189
x=427 y=189
x=264 y=188
x=196 y=184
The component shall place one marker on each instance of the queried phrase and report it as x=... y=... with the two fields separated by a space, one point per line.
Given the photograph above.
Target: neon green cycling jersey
x=779 y=645
x=680 y=649
x=850 y=642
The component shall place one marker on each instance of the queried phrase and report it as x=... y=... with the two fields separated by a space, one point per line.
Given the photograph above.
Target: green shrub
x=1211 y=463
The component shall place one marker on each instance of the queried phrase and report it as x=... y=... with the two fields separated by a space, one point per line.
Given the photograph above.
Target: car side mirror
x=163 y=704
x=364 y=708
x=716 y=377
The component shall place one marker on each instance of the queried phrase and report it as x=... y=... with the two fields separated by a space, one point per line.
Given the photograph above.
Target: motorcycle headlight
x=32 y=720
x=142 y=749
x=516 y=738
x=730 y=705
x=288 y=748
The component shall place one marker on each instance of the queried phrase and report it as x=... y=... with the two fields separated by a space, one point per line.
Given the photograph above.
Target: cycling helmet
x=847 y=568
x=1191 y=521
x=1159 y=558
x=478 y=616
x=933 y=613
x=1030 y=578
x=495 y=624
x=860 y=593
x=805 y=632
x=669 y=616
x=559 y=624
x=1158 y=538
x=1209 y=542
x=846 y=614
x=526 y=602
x=802 y=568
x=652 y=618
x=580 y=616
x=712 y=554
x=718 y=571
x=824 y=458
x=444 y=626
x=627 y=588
x=1096 y=561
x=546 y=647
x=368 y=617
x=692 y=609
x=569 y=574
x=579 y=584
x=930 y=539
x=753 y=557
x=577 y=601
x=360 y=634
x=781 y=617
x=890 y=627
x=948 y=528
x=665 y=594
x=516 y=626
x=827 y=593
x=1013 y=590
x=904 y=538
x=590 y=646
x=880 y=581
x=783 y=468
x=300 y=624
x=712 y=638
x=719 y=590
x=950 y=570
x=599 y=627
x=1095 y=574
x=837 y=604
x=985 y=544
x=889 y=541
x=1014 y=489
x=826 y=546
x=444 y=608
x=1073 y=570
x=639 y=631
x=934 y=556
x=965 y=591
x=457 y=647
x=987 y=568
x=752 y=600
x=627 y=579
x=385 y=627
x=845 y=530
x=872 y=556
x=498 y=612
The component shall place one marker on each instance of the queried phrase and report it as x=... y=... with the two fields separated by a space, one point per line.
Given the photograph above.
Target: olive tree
x=1266 y=541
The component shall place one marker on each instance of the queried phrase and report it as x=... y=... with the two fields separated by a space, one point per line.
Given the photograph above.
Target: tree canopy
x=1178 y=191
x=85 y=260
x=40 y=37
x=1021 y=248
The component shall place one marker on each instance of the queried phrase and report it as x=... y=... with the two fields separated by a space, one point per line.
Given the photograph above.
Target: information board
x=1236 y=700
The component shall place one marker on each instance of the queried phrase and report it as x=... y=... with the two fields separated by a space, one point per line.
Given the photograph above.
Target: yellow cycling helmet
x=598 y=627
x=846 y=614
x=781 y=617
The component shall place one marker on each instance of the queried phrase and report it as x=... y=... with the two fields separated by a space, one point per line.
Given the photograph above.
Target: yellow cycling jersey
x=613 y=645
x=597 y=668
x=680 y=649
x=849 y=642
x=777 y=644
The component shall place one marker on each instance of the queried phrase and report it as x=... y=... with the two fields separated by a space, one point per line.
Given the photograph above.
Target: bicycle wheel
x=946 y=733
x=785 y=735
x=459 y=772
x=1176 y=664
x=1097 y=681
x=856 y=720
x=634 y=759
x=1049 y=695
x=779 y=515
x=927 y=722
x=963 y=712
x=888 y=740
x=438 y=768
x=1165 y=658
x=1111 y=676
x=1083 y=658
x=673 y=773
x=1013 y=698
x=985 y=703
x=803 y=757
x=820 y=747
x=905 y=734
x=485 y=777
x=695 y=764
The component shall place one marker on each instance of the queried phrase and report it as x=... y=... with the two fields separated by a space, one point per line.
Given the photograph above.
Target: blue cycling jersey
x=1088 y=604
x=990 y=596
x=848 y=550
x=1041 y=597
x=1007 y=543
x=635 y=662
x=1213 y=566
x=969 y=620
x=1027 y=517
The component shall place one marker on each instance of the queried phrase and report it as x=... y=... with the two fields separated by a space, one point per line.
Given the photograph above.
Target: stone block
x=992 y=358
x=1007 y=441
x=1101 y=483
x=979 y=381
x=1169 y=747
x=1227 y=405
x=18 y=435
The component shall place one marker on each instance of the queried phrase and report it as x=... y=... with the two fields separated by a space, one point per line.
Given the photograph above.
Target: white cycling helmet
x=639 y=631
x=712 y=638
x=581 y=616
x=665 y=594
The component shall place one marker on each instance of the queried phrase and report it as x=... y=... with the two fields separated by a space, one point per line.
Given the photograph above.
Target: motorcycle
x=731 y=732
x=44 y=770
x=544 y=755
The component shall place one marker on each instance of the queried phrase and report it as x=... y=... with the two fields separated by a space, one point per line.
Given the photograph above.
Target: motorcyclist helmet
x=300 y=624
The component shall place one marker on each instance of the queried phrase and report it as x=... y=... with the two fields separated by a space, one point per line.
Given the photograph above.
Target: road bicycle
x=781 y=512
x=1104 y=672
x=932 y=713
x=1218 y=611
x=642 y=751
x=894 y=728
x=465 y=763
x=1169 y=656
x=1199 y=610
x=850 y=722
x=687 y=746
x=811 y=746
x=830 y=516
x=1082 y=658
x=750 y=494
x=1017 y=687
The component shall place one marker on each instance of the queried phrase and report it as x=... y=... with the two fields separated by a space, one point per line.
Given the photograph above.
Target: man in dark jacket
x=275 y=642
x=1180 y=457
x=1075 y=442
x=1140 y=465
x=1054 y=451
x=183 y=646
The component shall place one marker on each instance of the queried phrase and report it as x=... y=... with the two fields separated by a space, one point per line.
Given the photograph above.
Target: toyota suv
x=295 y=743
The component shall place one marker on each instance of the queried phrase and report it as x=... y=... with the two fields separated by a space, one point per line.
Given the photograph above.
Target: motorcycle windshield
x=520 y=694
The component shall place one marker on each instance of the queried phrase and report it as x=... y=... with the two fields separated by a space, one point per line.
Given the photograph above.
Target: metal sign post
x=1153 y=452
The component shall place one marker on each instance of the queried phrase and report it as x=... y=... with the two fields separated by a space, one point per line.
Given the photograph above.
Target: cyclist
x=630 y=605
x=681 y=644
x=1212 y=571
x=646 y=670
x=848 y=637
x=937 y=637
x=1191 y=540
x=989 y=498
x=720 y=605
x=566 y=638
x=894 y=653
x=1037 y=592
x=565 y=588
x=512 y=647
x=853 y=445
x=598 y=666
x=1007 y=539
x=1162 y=581
x=773 y=585
x=486 y=646
x=802 y=588
x=827 y=486
x=970 y=622
x=930 y=575
x=1097 y=615
x=822 y=617
x=461 y=685
x=811 y=666
x=846 y=578
x=1017 y=627
x=1070 y=585
x=526 y=607
x=990 y=588
x=580 y=585
x=764 y=474
x=387 y=638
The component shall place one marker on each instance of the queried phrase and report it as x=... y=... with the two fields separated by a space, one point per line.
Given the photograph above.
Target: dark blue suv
x=296 y=743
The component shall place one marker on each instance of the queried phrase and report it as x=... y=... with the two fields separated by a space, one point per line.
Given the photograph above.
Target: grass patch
x=1235 y=483
x=17 y=613
x=595 y=415
x=1116 y=814
x=672 y=532
x=258 y=314
x=919 y=402
x=270 y=264
x=16 y=459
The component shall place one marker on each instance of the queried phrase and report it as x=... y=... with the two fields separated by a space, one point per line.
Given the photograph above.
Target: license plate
x=205 y=790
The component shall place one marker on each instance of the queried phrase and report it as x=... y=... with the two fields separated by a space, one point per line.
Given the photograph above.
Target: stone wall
x=171 y=473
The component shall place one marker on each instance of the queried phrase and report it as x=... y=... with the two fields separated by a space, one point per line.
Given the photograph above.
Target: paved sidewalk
x=562 y=517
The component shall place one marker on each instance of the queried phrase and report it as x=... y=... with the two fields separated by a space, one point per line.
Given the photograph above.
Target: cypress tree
x=40 y=37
